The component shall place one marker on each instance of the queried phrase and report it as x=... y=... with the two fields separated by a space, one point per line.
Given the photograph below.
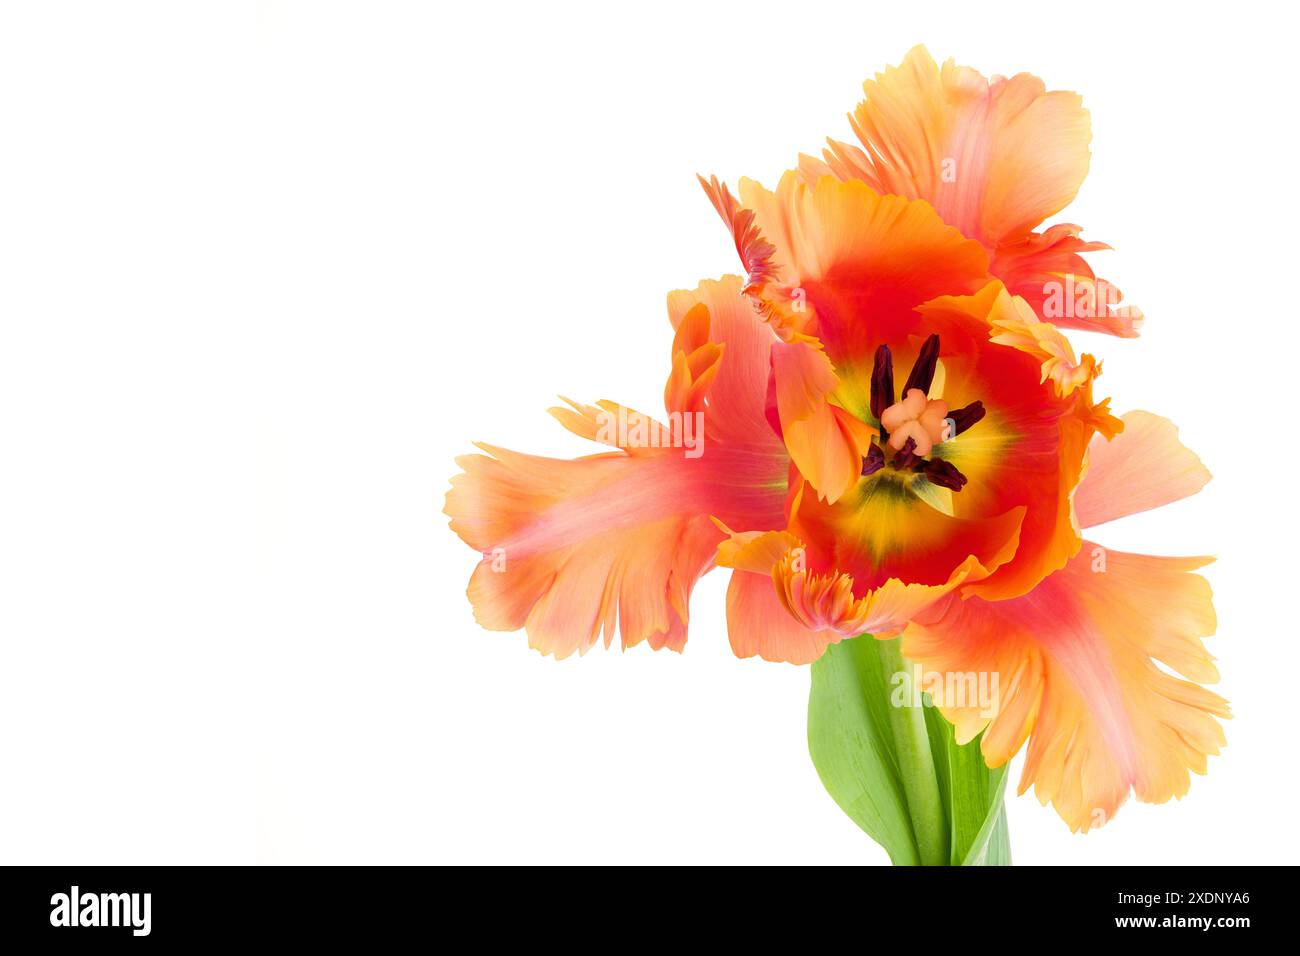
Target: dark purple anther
x=882 y=381
x=923 y=371
x=907 y=457
x=964 y=418
x=873 y=461
x=944 y=474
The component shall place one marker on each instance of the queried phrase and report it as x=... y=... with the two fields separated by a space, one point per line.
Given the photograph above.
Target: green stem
x=916 y=763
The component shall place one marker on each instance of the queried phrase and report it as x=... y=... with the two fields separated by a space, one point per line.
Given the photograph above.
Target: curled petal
x=735 y=400
x=1047 y=271
x=1019 y=328
x=825 y=442
x=780 y=610
x=755 y=252
x=758 y=624
x=696 y=362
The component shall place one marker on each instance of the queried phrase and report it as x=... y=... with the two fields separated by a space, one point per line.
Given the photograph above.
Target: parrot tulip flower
x=894 y=438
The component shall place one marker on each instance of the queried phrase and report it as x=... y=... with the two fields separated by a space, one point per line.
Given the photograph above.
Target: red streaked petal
x=852 y=254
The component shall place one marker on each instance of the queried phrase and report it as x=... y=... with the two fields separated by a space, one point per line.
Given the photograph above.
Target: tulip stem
x=916 y=763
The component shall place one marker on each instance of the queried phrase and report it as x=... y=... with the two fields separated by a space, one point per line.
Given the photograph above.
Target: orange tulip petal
x=1047 y=271
x=994 y=157
x=1075 y=662
x=825 y=442
x=1144 y=467
x=851 y=253
x=643 y=435
x=831 y=600
x=779 y=610
x=755 y=252
x=574 y=549
x=757 y=622
x=758 y=625
x=696 y=362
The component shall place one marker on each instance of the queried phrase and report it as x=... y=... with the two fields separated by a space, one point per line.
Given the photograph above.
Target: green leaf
x=994 y=846
x=972 y=798
x=852 y=745
x=895 y=768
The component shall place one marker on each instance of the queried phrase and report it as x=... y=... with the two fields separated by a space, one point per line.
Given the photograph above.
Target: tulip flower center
x=915 y=425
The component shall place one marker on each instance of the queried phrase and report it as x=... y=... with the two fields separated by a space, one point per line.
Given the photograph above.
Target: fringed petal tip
x=573 y=550
x=1074 y=671
x=1079 y=657
x=756 y=253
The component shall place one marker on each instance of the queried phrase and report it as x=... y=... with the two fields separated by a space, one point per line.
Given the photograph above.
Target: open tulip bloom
x=883 y=433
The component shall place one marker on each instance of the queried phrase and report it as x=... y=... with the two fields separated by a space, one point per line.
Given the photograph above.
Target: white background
x=265 y=269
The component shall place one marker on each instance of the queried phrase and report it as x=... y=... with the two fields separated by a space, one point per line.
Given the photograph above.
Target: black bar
x=211 y=905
